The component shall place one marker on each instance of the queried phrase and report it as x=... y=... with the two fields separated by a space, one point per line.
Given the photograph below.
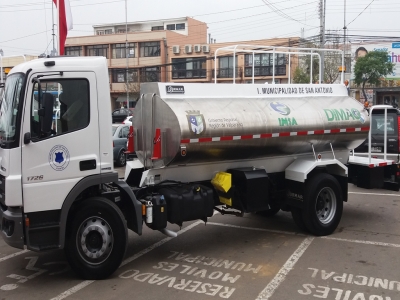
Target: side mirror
x=46 y=112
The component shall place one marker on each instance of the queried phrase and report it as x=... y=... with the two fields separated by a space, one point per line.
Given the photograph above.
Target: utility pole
x=322 y=6
x=126 y=53
x=344 y=38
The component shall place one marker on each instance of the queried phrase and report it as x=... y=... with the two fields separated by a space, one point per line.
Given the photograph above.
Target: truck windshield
x=9 y=106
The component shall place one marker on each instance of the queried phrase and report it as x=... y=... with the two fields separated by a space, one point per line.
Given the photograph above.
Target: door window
x=70 y=106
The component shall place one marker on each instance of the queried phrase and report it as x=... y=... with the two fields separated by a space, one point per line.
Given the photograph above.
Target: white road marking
x=73 y=290
x=13 y=255
x=257 y=229
x=375 y=194
x=281 y=275
x=276 y=281
x=361 y=242
x=85 y=283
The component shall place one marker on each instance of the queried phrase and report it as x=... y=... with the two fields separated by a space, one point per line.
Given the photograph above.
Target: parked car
x=120 y=136
x=128 y=121
x=377 y=133
x=120 y=114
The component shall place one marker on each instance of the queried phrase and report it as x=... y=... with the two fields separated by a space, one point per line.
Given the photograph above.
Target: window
x=180 y=26
x=73 y=51
x=108 y=31
x=154 y=28
x=226 y=67
x=97 y=50
x=151 y=74
x=10 y=107
x=100 y=32
x=171 y=27
x=119 y=50
x=263 y=64
x=70 y=112
x=189 y=67
x=119 y=75
x=148 y=49
x=121 y=31
x=378 y=124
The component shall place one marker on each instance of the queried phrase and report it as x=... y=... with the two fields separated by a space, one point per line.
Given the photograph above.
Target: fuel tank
x=205 y=123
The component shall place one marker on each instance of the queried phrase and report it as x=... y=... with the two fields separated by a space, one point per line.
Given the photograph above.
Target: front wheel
x=323 y=204
x=97 y=238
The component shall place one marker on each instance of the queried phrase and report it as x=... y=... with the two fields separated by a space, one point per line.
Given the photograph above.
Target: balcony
x=189 y=74
x=265 y=71
x=228 y=72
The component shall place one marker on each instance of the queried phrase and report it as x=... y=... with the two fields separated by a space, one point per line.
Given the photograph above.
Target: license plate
x=376 y=149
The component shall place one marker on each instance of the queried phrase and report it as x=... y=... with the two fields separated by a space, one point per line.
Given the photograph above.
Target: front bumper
x=11 y=226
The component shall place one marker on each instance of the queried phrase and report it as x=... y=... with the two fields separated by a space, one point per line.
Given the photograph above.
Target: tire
x=95 y=250
x=323 y=204
x=297 y=215
x=121 y=159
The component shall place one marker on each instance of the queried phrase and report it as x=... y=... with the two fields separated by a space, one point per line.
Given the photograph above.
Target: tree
x=302 y=72
x=371 y=68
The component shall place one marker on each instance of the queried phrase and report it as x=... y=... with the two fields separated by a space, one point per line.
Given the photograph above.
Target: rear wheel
x=323 y=204
x=121 y=159
x=97 y=238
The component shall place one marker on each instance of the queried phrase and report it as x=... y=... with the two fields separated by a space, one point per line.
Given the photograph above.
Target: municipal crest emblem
x=59 y=157
x=196 y=121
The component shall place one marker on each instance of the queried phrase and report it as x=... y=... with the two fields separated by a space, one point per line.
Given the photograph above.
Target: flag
x=64 y=22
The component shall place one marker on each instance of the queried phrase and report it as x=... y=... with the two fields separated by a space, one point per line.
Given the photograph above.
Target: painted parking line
x=361 y=242
x=275 y=282
x=375 y=194
x=13 y=255
x=269 y=290
x=85 y=283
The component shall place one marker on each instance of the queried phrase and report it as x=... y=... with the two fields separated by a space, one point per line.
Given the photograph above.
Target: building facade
x=146 y=57
x=196 y=62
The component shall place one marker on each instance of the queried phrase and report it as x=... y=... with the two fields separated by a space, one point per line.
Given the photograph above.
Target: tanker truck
x=201 y=149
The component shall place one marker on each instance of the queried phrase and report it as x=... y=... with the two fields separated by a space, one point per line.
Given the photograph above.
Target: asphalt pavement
x=229 y=257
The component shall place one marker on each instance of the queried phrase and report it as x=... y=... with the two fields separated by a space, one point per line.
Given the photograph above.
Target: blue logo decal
x=59 y=157
x=396 y=45
x=196 y=122
x=283 y=109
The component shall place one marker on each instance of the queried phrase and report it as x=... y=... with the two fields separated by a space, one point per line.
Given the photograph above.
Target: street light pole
x=126 y=53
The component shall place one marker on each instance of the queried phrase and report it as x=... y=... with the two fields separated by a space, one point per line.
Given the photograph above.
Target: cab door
x=53 y=162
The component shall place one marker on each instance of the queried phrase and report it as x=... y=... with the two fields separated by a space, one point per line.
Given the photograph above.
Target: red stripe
x=226 y=138
x=269 y=135
x=302 y=132
x=371 y=165
x=205 y=139
x=382 y=164
x=284 y=134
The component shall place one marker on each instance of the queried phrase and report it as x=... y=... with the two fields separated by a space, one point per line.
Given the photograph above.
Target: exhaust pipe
x=168 y=232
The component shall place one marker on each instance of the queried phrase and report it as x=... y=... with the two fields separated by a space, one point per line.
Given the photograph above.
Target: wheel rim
x=325 y=206
x=94 y=240
x=122 y=159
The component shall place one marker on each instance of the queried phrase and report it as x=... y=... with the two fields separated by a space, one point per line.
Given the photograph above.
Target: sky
x=26 y=25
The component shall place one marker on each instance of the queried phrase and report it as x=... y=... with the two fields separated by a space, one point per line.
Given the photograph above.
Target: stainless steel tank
x=210 y=129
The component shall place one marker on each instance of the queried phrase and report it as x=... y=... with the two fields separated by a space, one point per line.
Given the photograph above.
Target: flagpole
x=58 y=26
